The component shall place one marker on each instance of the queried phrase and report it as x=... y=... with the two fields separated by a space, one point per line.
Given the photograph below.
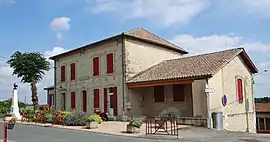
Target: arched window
x=240 y=90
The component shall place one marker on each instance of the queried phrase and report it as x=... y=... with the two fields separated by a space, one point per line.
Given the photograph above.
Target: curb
x=104 y=133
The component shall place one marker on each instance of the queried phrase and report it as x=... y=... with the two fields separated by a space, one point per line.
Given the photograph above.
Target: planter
x=92 y=125
x=132 y=129
x=10 y=126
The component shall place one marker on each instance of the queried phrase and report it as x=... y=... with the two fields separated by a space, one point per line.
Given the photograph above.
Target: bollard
x=5 y=133
x=44 y=118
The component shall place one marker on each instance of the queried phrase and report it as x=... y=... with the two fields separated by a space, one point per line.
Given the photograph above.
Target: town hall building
x=140 y=74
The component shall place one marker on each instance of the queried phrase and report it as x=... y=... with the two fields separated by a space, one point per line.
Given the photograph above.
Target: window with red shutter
x=84 y=101
x=63 y=73
x=96 y=66
x=72 y=71
x=73 y=100
x=240 y=90
x=110 y=63
x=96 y=98
x=179 y=92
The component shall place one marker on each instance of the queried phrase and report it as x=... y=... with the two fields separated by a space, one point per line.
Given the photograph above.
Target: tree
x=30 y=67
x=6 y=104
x=262 y=100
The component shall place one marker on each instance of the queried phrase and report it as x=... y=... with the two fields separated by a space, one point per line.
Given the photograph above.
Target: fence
x=161 y=126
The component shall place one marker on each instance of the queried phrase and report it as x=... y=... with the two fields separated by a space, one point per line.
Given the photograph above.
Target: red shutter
x=73 y=100
x=72 y=71
x=50 y=99
x=96 y=98
x=115 y=109
x=109 y=63
x=240 y=90
x=96 y=66
x=105 y=100
x=63 y=73
x=84 y=101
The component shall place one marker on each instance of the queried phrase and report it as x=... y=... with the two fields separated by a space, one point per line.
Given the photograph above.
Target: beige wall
x=199 y=98
x=224 y=82
x=85 y=79
x=140 y=56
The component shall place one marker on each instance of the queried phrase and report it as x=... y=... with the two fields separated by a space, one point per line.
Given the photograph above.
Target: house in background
x=263 y=117
x=140 y=74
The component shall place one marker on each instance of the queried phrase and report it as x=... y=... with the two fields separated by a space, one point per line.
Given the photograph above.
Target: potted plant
x=11 y=123
x=134 y=126
x=93 y=121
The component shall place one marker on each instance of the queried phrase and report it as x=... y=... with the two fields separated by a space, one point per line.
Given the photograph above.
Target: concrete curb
x=104 y=133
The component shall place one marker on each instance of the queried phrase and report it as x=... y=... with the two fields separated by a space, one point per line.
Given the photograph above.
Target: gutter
x=54 y=84
x=209 y=122
x=123 y=71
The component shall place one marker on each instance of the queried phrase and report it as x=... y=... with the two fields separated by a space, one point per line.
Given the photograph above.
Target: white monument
x=14 y=110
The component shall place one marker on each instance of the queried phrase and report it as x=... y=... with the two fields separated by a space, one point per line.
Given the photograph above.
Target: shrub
x=136 y=123
x=2 y=115
x=170 y=112
x=95 y=118
x=76 y=119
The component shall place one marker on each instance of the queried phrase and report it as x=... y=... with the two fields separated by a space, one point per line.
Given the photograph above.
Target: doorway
x=111 y=100
x=63 y=101
x=84 y=103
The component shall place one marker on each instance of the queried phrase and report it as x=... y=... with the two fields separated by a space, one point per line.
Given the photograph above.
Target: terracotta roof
x=139 y=34
x=204 y=65
x=146 y=35
x=262 y=107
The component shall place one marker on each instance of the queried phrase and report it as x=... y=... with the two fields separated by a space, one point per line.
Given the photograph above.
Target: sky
x=199 y=26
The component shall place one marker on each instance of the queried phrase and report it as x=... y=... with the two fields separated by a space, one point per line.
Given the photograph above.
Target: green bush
x=136 y=123
x=94 y=117
x=2 y=115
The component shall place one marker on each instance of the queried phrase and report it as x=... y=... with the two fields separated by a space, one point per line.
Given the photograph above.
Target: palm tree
x=30 y=67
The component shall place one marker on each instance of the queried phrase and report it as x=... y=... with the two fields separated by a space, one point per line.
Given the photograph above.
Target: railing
x=161 y=126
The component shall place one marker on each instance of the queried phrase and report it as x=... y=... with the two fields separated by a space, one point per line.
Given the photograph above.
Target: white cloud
x=6 y=2
x=60 y=24
x=196 y=45
x=7 y=79
x=166 y=12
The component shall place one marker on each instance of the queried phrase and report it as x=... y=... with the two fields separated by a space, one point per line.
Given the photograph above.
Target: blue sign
x=224 y=100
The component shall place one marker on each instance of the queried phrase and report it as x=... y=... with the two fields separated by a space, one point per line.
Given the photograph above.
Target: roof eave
x=86 y=46
x=156 y=43
x=191 y=77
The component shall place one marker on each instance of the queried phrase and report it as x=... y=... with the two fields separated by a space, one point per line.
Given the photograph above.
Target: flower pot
x=92 y=125
x=132 y=129
x=10 y=126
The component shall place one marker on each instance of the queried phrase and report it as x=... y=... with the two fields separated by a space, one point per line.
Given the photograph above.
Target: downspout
x=123 y=71
x=209 y=124
x=246 y=107
x=54 y=84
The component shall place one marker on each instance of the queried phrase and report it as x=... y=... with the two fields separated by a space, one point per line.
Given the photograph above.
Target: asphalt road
x=29 y=133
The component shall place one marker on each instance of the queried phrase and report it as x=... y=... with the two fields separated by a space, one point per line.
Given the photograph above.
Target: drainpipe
x=123 y=71
x=246 y=107
x=209 y=125
x=54 y=84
